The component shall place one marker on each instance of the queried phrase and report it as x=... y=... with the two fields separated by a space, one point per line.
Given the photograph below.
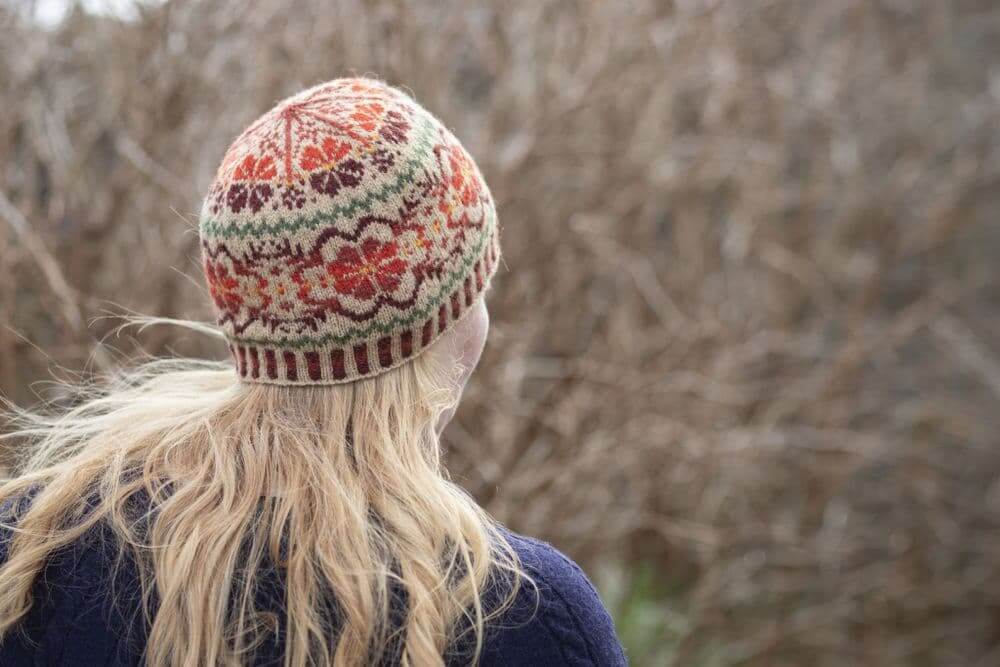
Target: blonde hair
x=342 y=486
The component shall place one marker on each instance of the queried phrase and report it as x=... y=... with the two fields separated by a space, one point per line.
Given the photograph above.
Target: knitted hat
x=346 y=230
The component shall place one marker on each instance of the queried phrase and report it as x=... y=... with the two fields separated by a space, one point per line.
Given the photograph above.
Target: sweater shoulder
x=557 y=617
x=85 y=609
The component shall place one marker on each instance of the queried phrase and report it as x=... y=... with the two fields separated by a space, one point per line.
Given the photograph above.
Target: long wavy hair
x=342 y=486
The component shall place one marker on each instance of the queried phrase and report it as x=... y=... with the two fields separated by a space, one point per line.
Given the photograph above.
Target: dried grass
x=747 y=327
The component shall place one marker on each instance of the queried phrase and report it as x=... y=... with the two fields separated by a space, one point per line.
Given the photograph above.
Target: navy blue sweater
x=81 y=617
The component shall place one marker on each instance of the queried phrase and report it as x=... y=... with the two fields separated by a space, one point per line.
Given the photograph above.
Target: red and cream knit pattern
x=346 y=230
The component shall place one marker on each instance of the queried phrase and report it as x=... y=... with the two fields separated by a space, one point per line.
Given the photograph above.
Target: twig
x=46 y=262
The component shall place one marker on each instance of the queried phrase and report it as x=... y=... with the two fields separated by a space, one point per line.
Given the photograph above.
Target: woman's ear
x=460 y=348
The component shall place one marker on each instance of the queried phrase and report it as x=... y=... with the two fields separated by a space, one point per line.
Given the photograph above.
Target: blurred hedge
x=747 y=327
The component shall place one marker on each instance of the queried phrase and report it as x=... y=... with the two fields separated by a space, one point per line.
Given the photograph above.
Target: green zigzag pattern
x=321 y=342
x=212 y=228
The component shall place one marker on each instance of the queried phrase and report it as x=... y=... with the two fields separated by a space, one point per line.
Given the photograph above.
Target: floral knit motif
x=346 y=229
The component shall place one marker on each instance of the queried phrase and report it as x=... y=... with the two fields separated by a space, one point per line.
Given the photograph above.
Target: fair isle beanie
x=345 y=231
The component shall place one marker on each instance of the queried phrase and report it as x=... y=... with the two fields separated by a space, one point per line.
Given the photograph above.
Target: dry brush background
x=745 y=362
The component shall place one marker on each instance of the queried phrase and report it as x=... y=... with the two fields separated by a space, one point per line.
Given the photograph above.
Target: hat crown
x=345 y=230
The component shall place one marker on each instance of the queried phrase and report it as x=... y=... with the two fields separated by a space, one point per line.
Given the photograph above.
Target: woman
x=296 y=512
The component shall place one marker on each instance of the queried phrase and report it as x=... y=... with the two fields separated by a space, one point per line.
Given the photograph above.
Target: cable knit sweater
x=81 y=617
